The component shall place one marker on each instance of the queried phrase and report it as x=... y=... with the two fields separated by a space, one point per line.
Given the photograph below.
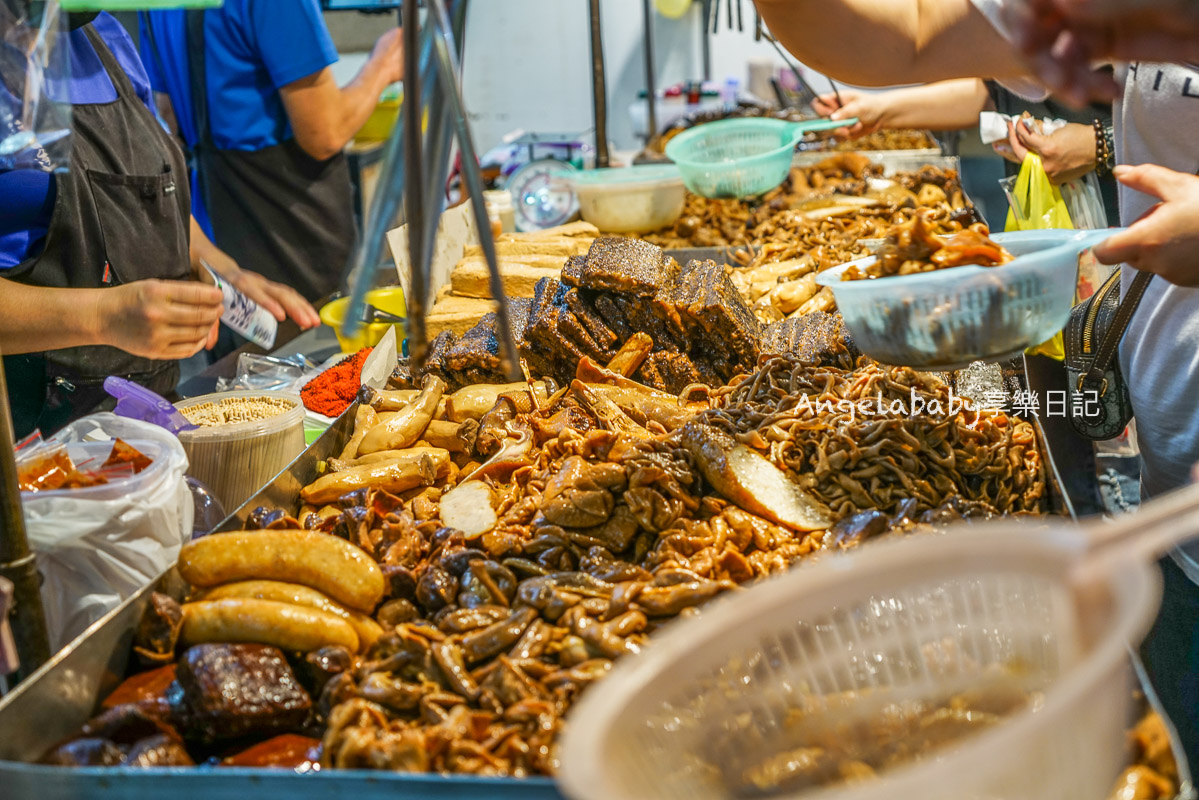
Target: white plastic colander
x=917 y=618
x=948 y=318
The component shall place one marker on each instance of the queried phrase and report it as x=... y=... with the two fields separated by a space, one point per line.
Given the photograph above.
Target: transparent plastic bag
x=267 y=373
x=35 y=67
x=98 y=545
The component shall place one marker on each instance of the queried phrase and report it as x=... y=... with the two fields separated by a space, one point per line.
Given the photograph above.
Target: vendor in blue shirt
x=98 y=262
x=255 y=101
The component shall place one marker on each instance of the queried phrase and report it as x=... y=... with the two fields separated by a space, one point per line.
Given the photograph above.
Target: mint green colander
x=741 y=157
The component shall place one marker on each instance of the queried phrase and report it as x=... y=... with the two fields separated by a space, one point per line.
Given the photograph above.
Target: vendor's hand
x=165 y=320
x=868 y=108
x=1165 y=240
x=280 y=300
x=388 y=55
x=1066 y=154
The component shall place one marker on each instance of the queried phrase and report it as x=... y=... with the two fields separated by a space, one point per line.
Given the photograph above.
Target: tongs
x=430 y=69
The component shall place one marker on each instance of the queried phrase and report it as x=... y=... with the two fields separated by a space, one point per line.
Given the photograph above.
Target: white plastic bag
x=97 y=546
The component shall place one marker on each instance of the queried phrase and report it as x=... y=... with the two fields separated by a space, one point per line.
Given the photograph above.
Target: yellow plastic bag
x=1036 y=204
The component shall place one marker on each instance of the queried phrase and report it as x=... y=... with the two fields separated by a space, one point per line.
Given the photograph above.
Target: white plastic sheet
x=97 y=546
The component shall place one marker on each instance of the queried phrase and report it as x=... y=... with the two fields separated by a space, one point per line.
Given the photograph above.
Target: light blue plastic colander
x=948 y=318
x=741 y=157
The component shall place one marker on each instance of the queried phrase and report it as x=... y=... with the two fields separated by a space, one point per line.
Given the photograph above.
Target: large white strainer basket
x=915 y=618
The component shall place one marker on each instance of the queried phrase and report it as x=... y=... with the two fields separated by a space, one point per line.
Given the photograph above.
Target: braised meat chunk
x=235 y=690
x=572 y=271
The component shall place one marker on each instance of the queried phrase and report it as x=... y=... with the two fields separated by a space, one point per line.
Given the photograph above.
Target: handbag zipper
x=1093 y=311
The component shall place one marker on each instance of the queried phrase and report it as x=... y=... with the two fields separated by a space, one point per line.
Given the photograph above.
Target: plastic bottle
x=243 y=315
x=728 y=95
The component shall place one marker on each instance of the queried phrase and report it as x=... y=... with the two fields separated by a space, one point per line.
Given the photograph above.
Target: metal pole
x=17 y=562
x=647 y=13
x=418 y=340
x=599 y=88
x=439 y=144
x=384 y=209
x=472 y=176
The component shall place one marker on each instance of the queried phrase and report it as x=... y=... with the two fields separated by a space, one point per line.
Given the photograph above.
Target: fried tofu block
x=625 y=265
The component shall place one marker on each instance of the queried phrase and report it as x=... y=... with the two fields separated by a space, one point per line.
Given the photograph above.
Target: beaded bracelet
x=1105 y=151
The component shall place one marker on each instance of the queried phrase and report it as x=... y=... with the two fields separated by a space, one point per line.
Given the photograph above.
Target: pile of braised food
x=474 y=560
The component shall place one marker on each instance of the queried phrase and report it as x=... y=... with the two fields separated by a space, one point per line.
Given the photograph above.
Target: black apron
x=277 y=211
x=121 y=214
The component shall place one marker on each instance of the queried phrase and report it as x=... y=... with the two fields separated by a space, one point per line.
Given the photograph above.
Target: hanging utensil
x=651 y=90
x=17 y=560
x=439 y=145
x=740 y=18
x=836 y=93
x=599 y=88
x=757 y=25
x=704 y=43
x=778 y=48
x=371 y=314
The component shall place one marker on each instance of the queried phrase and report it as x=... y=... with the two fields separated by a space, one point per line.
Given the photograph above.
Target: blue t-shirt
x=27 y=193
x=252 y=48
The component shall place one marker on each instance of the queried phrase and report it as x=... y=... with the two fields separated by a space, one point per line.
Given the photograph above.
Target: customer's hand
x=1166 y=239
x=159 y=319
x=1062 y=39
x=1012 y=148
x=1067 y=153
x=869 y=108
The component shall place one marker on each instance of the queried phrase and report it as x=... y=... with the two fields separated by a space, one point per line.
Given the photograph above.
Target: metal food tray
x=892 y=160
x=54 y=702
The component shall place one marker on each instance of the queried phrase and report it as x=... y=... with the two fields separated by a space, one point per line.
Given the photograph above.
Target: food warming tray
x=55 y=701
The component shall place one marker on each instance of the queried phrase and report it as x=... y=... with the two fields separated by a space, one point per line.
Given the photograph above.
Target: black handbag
x=1099 y=405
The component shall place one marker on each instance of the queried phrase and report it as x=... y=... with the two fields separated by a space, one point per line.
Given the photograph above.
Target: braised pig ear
x=158 y=631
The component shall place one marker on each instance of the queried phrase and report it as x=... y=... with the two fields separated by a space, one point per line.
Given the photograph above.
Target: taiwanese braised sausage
x=331 y=565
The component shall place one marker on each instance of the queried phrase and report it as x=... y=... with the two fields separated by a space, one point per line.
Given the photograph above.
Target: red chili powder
x=332 y=392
